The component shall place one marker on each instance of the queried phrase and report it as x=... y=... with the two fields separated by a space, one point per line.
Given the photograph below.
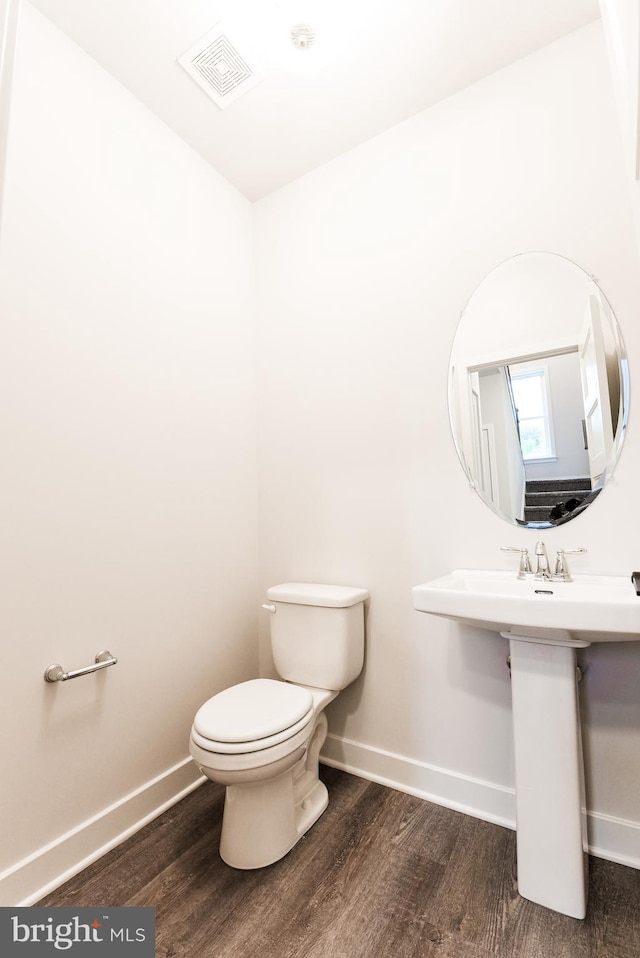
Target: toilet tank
x=317 y=633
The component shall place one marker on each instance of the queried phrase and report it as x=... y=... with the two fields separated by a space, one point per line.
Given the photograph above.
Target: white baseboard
x=615 y=839
x=31 y=879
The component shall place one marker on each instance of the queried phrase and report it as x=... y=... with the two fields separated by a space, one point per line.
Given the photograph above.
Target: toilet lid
x=253 y=710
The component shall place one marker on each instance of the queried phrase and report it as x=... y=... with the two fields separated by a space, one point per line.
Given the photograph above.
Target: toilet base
x=261 y=823
x=263 y=820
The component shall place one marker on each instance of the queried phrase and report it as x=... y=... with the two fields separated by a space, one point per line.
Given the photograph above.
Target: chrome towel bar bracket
x=55 y=673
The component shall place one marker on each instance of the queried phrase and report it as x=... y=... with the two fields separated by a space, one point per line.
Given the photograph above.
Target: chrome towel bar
x=55 y=673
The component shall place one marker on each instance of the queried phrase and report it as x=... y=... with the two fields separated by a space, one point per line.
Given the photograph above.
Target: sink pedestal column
x=550 y=803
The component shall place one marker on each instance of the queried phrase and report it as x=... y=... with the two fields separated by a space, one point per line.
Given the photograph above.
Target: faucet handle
x=562 y=570
x=525 y=563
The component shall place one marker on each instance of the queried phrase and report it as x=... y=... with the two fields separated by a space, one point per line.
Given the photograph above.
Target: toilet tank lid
x=309 y=593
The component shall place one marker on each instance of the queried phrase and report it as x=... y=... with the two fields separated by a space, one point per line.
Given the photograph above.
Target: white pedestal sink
x=545 y=622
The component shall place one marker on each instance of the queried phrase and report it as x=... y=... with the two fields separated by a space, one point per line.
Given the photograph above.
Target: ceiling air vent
x=216 y=65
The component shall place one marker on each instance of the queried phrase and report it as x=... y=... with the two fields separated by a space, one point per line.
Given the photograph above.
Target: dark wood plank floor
x=380 y=875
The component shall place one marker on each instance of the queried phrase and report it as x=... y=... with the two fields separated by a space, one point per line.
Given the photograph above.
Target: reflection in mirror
x=538 y=390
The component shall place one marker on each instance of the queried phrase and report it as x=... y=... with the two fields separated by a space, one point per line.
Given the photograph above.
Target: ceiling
x=373 y=64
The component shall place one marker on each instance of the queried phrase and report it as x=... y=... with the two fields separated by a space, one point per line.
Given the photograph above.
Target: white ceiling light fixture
x=219 y=68
x=308 y=31
x=302 y=35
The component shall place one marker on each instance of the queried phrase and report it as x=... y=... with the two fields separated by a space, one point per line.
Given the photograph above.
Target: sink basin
x=591 y=608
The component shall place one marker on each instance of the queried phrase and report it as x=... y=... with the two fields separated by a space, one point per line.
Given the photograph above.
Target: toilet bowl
x=273 y=791
x=262 y=738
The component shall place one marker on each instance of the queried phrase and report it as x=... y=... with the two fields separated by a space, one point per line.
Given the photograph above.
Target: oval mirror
x=538 y=390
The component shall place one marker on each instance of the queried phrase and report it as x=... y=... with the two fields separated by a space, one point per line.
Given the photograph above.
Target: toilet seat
x=252 y=716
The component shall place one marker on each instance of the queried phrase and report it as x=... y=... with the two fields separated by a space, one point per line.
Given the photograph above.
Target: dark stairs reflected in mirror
x=550 y=500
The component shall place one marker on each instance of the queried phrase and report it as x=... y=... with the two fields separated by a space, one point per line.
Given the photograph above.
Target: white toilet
x=262 y=738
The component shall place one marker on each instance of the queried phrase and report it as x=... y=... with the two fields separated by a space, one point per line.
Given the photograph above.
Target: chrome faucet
x=542 y=562
x=561 y=573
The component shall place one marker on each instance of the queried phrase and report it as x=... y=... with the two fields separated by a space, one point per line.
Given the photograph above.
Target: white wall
x=621 y=24
x=363 y=268
x=9 y=15
x=129 y=457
